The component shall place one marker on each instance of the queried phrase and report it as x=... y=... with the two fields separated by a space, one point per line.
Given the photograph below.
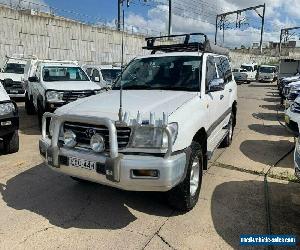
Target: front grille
x=85 y=131
x=13 y=87
x=70 y=96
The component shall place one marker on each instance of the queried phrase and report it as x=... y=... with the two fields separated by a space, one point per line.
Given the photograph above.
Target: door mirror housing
x=96 y=79
x=216 y=85
x=33 y=79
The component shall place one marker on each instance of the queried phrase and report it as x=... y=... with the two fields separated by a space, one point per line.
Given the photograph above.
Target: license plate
x=81 y=163
x=287 y=119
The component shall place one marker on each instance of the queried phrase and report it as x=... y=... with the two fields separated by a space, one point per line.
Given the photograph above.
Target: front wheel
x=11 y=143
x=40 y=112
x=185 y=195
x=29 y=107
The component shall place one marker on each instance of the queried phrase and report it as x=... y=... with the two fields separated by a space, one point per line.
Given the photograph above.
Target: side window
x=211 y=72
x=95 y=74
x=224 y=69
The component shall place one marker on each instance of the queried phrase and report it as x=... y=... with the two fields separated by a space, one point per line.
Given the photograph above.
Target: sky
x=188 y=16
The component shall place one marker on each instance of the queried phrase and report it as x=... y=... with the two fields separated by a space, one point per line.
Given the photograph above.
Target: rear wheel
x=228 y=139
x=185 y=195
x=11 y=143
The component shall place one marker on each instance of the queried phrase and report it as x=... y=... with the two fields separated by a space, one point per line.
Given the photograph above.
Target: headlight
x=54 y=96
x=70 y=139
x=153 y=137
x=7 y=108
x=97 y=143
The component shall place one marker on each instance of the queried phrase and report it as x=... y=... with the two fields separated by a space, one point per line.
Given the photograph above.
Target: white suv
x=12 y=75
x=52 y=84
x=176 y=109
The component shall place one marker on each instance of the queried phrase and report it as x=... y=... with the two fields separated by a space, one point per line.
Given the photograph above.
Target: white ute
x=177 y=108
x=52 y=84
x=267 y=73
x=104 y=75
x=12 y=75
x=251 y=69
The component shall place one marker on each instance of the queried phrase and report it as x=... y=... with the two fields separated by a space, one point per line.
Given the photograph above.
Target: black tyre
x=185 y=195
x=11 y=143
x=29 y=107
x=228 y=139
x=40 y=113
x=248 y=82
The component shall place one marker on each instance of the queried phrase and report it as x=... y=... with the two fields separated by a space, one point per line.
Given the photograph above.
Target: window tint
x=211 y=72
x=224 y=69
x=60 y=73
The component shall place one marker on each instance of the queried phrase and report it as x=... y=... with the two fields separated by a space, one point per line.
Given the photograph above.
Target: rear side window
x=224 y=69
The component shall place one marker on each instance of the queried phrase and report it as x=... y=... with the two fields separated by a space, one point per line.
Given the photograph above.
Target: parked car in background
x=285 y=86
x=9 y=123
x=291 y=92
x=104 y=75
x=251 y=69
x=267 y=73
x=240 y=75
x=288 y=67
x=292 y=116
x=52 y=84
x=12 y=75
x=152 y=143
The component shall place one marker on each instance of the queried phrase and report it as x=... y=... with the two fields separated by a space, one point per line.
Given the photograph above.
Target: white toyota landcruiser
x=176 y=109
x=52 y=84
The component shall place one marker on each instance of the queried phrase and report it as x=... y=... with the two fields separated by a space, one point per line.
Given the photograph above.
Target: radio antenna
x=122 y=67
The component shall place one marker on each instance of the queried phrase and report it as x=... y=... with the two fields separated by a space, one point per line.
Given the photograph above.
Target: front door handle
x=221 y=97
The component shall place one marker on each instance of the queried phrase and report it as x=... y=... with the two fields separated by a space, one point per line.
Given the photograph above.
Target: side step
x=217 y=143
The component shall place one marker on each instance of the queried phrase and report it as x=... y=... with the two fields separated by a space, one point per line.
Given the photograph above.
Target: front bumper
x=113 y=169
x=8 y=125
x=17 y=95
x=297 y=163
x=171 y=170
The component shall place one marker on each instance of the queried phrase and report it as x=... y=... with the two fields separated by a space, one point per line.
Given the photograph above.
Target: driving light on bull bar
x=70 y=139
x=97 y=143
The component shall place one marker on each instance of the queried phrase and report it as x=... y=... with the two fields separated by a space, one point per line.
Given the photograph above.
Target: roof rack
x=186 y=46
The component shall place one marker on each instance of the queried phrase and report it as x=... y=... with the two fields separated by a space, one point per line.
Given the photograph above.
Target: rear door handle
x=221 y=97
x=230 y=90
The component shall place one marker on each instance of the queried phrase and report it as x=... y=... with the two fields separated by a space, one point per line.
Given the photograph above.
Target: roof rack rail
x=186 y=46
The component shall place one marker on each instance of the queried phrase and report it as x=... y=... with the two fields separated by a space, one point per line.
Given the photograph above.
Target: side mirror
x=33 y=79
x=216 y=85
x=96 y=79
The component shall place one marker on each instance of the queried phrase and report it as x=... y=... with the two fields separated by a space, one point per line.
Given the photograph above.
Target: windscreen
x=165 y=73
x=58 y=73
x=14 y=68
x=247 y=68
x=266 y=70
x=110 y=75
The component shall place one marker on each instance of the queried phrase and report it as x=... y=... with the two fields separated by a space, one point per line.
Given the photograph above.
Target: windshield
x=166 y=73
x=110 y=75
x=266 y=70
x=14 y=68
x=248 y=68
x=58 y=74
